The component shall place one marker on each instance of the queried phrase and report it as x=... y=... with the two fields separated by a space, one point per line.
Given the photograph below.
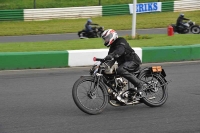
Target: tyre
x=195 y=29
x=174 y=28
x=155 y=91
x=90 y=103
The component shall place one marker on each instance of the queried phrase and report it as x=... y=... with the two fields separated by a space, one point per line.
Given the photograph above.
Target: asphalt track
x=71 y=36
x=40 y=101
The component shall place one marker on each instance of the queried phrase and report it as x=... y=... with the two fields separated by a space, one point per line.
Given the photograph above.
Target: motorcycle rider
x=88 y=28
x=179 y=22
x=120 y=51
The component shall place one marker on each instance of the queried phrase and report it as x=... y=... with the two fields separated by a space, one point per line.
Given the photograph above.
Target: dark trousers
x=122 y=71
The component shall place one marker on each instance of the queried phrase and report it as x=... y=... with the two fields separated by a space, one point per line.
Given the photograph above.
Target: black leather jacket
x=122 y=52
x=180 y=20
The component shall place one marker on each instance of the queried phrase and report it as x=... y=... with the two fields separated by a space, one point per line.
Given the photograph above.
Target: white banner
x=146 y=7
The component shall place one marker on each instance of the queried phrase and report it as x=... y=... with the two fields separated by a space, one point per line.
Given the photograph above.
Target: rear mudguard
x=149 y=70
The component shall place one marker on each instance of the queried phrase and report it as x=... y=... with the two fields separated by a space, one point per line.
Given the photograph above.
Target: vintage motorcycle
x=91 y=93
x=189 y=27
x=97 y=31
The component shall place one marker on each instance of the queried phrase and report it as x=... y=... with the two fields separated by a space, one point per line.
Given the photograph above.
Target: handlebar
x=98 y=59
x=101 y=60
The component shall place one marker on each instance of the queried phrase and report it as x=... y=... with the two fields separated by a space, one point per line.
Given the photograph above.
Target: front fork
x=93 y=89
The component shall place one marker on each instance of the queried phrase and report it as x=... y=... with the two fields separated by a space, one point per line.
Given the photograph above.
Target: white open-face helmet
x=109 y=36
x=181 y=15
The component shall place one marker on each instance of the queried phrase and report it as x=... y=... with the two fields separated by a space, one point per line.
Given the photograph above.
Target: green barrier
x=56 y=59
x=195 y=52
x=166 y=54
x=170 y=53
x=168 y=6
x=11 y=15
x=111 y=10
x=28 y=60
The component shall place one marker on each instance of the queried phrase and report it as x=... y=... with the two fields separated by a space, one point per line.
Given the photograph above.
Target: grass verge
x=96 y=43
x=123 y=22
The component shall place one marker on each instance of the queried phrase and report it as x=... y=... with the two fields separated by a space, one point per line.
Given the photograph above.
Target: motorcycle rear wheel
x=89 y=103
x=156 y=92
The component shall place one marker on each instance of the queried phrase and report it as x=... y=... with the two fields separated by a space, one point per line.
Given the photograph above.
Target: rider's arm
x=185 y=19
x=118 y=52
x=93 y=24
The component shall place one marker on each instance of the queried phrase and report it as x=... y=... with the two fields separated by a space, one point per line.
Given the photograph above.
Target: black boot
x=139 y=88
x=135 y=81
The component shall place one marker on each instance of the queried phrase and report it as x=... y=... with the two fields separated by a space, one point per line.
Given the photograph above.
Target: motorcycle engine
x=121 y=84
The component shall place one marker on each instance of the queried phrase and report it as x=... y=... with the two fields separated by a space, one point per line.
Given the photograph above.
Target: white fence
x=94 y=11
x=186 y=5
x=62 y=13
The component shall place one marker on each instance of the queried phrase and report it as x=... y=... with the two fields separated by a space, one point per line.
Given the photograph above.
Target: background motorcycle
x=97 y=31
x=91 y=93
x=188 y=26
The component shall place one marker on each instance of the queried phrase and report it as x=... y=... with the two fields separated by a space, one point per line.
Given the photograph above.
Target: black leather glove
x=94 y=24
x=108 y=57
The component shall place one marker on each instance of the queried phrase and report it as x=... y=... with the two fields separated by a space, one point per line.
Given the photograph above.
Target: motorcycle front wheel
x=89 y=102
x=155 y=89
x=195 y=29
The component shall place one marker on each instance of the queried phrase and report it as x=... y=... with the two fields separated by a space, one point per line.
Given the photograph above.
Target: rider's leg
x=129 y=76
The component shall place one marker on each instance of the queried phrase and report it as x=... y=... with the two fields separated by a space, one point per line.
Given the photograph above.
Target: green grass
x=29 y=4
x=157 y=40
x=123 y=22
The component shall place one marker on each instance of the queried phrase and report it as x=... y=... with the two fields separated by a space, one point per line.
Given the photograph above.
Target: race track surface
x=71 y=36
x=40 y=101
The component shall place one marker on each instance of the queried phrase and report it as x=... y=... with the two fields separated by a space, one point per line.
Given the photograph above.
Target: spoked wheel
x=87 y=101
x=155 y=90
x=195 y=29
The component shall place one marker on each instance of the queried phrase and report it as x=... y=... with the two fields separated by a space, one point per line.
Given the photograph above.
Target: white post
x=134 y=18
